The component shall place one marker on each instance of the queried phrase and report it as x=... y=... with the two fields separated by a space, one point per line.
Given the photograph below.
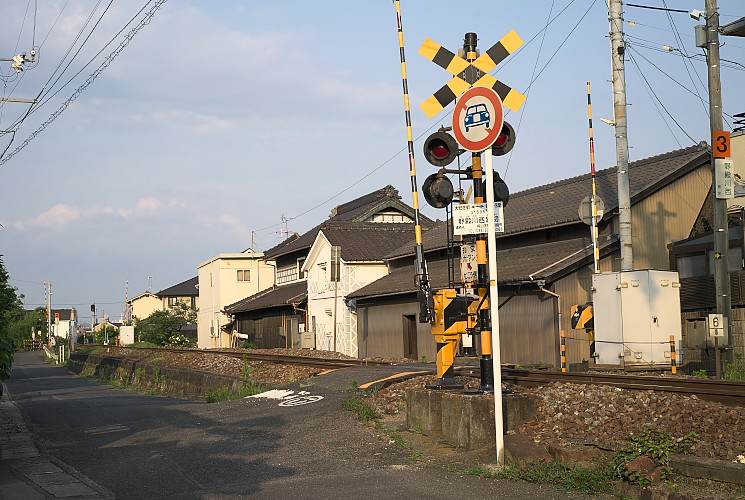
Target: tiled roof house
x=545 y=246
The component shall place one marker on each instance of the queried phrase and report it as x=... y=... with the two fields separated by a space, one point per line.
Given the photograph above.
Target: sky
x=221 y=124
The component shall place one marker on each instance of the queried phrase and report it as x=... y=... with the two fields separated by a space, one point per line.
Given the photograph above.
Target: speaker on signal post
x=505 y=141
x=440 y=149
x=438 y=190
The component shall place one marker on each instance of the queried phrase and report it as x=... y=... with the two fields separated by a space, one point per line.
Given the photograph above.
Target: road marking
x=367 y=386
x=106 y=429
x=288 y=397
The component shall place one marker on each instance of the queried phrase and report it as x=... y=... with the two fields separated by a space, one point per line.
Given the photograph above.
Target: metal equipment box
x=636 y=312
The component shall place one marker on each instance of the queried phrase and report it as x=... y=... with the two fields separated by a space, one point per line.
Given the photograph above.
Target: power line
x=450 y=112
x=641 y=73
x=109 y=59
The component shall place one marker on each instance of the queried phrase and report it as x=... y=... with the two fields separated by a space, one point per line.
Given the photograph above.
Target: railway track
x=314 y=362
x=727 y=392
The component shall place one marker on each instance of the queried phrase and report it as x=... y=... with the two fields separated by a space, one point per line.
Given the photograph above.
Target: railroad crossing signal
x=471 y=74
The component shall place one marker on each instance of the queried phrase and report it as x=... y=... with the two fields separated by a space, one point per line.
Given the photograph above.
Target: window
x=691 y=265
x=172 y=301
x=286 y=275
x=243 y=275
x=300 y=273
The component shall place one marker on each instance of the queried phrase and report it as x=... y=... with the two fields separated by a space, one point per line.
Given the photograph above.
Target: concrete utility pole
x=618 y=49
x=721 y=227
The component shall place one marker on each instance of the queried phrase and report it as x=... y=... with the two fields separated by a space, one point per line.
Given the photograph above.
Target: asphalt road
x=303 y=446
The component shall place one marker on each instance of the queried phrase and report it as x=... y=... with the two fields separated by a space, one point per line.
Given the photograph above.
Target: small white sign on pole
x=472 y=218
x=724 y=178
x=716 y=325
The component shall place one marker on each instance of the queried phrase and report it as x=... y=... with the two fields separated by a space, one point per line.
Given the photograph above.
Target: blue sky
x=221 y=117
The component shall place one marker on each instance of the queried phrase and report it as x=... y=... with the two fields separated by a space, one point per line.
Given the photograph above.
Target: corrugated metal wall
x=381 y=331
x=269 y=331
x=665 y=217
x=527 y=328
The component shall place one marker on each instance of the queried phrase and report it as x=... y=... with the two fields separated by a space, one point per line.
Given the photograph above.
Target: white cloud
x=59 y=217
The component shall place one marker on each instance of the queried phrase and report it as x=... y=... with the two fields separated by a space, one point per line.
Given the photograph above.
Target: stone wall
x=151 y=377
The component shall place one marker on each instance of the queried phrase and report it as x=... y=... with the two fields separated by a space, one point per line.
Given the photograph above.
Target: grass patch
x=143 y=344
x=579 y=478
x=225 y=394
x=365 y=412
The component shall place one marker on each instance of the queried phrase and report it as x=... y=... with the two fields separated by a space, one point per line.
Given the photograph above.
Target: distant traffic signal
x=438 y=190
x=93 y=308
x=505 y=141
x=440 y=149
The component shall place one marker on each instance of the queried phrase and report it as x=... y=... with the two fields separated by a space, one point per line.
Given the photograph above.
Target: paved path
x=145 y=447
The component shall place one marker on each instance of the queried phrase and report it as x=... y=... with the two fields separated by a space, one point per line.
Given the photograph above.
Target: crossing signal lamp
x=501 y=191
x=440 y=149
x=438 y=190
x=505 y=141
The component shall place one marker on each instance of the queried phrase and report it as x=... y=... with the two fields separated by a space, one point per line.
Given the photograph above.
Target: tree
x=160 y=326
x=11 y=309
x=108 y=332
x=30 y=321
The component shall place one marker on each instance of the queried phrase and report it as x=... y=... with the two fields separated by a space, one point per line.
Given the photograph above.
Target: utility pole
x=49 y=312
x=721 y=226
x=618 y=49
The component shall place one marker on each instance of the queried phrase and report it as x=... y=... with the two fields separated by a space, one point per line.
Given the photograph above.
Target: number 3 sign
x=721 y=144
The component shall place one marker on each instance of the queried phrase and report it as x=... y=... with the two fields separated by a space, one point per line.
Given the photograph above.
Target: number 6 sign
x=716 y=325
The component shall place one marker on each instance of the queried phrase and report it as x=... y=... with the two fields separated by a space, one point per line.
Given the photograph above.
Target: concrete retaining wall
x=465 y=420
x=152 y=377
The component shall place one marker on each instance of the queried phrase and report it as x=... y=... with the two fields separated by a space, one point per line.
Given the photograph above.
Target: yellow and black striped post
x=563 y=350
x=422 y=279
x=595 y=249
x=673 y=355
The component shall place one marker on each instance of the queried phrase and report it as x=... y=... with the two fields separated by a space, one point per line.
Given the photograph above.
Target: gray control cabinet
x=636 y=312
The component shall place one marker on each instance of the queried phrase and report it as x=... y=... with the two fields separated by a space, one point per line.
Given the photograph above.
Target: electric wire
x=527 y=92
x=649 y=86
x=105 y=64
x=449 y=112
x=90 y=33
x=680 y=84
x=48 y=97
x=686 y=61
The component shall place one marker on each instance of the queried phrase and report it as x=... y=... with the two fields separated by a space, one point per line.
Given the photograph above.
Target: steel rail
x=273 y=358
x=728 y=392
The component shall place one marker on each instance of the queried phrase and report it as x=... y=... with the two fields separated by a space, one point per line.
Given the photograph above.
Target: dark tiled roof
x=184 y=289
x=556 y=204
x=356 y=211
x=367 y=241
x=272 y=297
x=544 y=261
x=434 y=238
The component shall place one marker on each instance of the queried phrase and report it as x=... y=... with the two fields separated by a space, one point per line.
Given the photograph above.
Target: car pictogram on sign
x=476 y=115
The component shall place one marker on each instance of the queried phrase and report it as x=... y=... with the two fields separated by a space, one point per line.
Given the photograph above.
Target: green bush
x=181 y=340
x=736 y=370
x=249 y=345
x=6 y=360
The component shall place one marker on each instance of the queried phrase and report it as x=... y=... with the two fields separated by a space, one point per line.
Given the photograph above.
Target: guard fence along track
x=727 y=392
x=328 y=363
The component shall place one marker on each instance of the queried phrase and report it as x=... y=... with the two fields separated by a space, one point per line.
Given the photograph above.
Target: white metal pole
x=494 y=306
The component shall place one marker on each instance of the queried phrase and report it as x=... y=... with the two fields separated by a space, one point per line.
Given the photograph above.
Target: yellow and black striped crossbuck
x=471 y=74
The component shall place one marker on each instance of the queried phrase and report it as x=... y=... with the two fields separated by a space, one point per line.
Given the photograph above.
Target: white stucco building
x=362 y=247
